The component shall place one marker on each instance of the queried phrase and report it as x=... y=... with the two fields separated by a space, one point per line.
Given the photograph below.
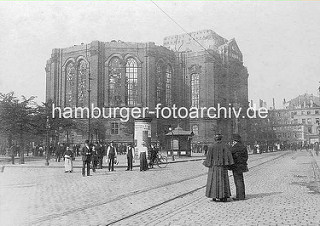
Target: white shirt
x=108 y=150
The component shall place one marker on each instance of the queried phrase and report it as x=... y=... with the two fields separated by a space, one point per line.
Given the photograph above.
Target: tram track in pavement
x=141 y=191
x=187 y=193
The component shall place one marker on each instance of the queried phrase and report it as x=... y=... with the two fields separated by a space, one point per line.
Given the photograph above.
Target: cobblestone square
x=282 y=189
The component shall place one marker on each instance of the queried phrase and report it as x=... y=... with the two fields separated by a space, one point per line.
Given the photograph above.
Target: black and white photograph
x=170 y=113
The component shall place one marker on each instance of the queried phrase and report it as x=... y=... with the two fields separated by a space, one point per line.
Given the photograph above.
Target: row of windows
x=316 y=112
x=193 y=34
x=306 y=121
x=78 y=77
x=288 y=135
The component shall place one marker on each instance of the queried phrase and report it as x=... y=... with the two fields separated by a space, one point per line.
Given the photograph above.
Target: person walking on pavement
x=316 y=148
x=94 y=158
x=99 y=149
x=111 y=155
x=59 y=152
x=143 y=159
x=68 y=165
x=240 y=157
x=86 y=158
x=130 y=153
x=153 y=155
x=218 y=158
x=12 y=153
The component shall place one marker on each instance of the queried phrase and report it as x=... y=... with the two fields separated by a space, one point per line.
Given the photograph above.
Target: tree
x=98 y=129
x=16 y=118
x=44 y=121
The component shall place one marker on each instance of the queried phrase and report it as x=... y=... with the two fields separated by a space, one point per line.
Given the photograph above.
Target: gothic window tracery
x=114 y=76
x=131 y=82
x=168 y=85
x=70 y=83
x=82 y=79
x=159 y=82
x=195 y=90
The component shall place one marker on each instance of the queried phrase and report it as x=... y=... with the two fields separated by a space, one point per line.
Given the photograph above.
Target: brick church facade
x=199 y=69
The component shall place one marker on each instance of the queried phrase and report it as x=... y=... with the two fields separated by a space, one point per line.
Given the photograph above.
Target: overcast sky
x=280 y=41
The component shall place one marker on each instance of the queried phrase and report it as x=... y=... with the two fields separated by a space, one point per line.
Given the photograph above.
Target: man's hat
x=236 y=137
x=218 y=136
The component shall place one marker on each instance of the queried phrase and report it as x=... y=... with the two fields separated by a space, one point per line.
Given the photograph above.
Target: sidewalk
x=316 y=158
x=39 y=162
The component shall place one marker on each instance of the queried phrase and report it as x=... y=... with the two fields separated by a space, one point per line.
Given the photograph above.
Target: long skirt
x=68 y=167
x=143 y=161
x=218 y=185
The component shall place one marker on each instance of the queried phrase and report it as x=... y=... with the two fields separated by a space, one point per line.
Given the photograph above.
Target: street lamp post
x=47 y=142
x=171 y=130
x=89 y=107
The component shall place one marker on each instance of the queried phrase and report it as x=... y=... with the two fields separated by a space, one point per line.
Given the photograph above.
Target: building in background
x=295 y=125
x=302 y=112
x=199 y=69
x=212 y=73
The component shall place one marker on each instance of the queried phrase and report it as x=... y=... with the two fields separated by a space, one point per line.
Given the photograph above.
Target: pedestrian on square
x=153 y=155
x=94 y=158
x=205 y=149
x=68 y=165
x=111 y=155
x=86 y=158
x=218 y=159
x=129 y=154
x=316 y=148
x=12 y=153
x=240 y=157
x=143 y=159
x=100 y=154
x=59 y=152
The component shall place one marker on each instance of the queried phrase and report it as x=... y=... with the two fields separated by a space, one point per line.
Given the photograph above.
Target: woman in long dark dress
x=218 y=159
x=143 y=159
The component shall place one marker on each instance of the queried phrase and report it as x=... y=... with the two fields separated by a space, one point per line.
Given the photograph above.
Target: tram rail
x=137 y=192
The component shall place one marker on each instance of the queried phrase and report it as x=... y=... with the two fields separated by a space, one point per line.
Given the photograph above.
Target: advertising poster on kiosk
x=142 y=136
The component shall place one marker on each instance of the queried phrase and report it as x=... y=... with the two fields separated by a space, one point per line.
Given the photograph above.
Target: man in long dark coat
x=111 y=155
x=218 y=159
x=130 y=154
x=100 y=154
x=240 y=158
x=86 y=158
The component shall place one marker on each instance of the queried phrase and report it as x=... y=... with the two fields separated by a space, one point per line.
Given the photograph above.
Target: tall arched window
x=168 y=85
x=159 y=82
x=70 y=83
x=195 y=90
x=114 y=76
x=82 y=79
x=131 y=82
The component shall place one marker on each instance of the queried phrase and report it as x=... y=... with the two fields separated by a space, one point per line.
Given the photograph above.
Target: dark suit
x=130 y=151
x=86 y=159
x=240 y=158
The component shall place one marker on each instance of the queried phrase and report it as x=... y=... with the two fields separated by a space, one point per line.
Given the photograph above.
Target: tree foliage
x=16 y=116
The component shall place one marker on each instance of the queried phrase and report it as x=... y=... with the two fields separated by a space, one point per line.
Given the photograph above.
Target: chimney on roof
x=273 y=104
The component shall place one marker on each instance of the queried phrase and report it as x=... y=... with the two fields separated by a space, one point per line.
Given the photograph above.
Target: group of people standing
x=93 y=155
x=219 y=159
